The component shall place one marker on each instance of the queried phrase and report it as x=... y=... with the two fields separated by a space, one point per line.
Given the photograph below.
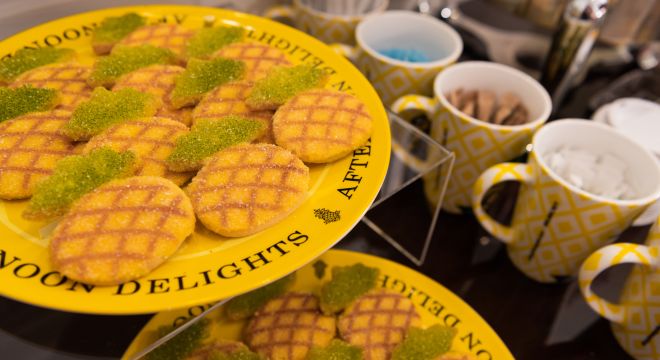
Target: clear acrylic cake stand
x=419 y=166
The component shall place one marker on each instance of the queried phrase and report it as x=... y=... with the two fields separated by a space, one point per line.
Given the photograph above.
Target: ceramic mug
x=477 y=144
x=556 y=225
x=403 y=30
x=636 y=318
x=328 y=21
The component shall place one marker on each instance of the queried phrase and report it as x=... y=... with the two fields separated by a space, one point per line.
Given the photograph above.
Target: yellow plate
x=435 y=304
x=207 y=267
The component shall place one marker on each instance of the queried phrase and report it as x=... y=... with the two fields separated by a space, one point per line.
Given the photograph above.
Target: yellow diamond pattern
x=636 y=320
x=477 y=147
x=578 y=227
x=329 y=29
x=641 y=300
x=393 y=81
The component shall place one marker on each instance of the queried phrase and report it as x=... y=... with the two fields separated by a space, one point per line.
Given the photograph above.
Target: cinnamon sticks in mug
x=485 y=106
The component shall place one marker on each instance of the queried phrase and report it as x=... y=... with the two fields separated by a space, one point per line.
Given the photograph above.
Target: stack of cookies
x=170 y=125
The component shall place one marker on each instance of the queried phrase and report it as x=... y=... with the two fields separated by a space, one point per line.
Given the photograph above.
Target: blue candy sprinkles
x=410 y=55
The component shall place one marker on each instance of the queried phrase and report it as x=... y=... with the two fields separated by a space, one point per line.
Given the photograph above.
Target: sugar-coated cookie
x=150 y=139
x=167 y=36
x=122 y=230
x=30 y=146
x=377 y=322
x=283 y=83
x=322 y=125
x=287 y=327
x=157 y=80
x=229 y=99
x=69 y=79
x=259 y=59
x=246 y=188
x=27 y=59
x=208 y=136
x=114 y=28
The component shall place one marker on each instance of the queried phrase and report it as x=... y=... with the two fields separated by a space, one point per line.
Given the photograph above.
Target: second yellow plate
x=435 y=304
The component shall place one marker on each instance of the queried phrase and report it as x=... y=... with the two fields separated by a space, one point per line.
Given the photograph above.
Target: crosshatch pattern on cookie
x=229 y=99
x=169 y=36
x=122 y=230
x=322 y=121
x=287 y=327
x=159 y=81
x=69 y=79
x=377 y=322
x=259 y=59
x=30 y=146
x=150 y=139
x=246 y=186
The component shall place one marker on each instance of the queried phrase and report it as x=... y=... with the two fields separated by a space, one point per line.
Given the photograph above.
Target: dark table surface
x=536 y=321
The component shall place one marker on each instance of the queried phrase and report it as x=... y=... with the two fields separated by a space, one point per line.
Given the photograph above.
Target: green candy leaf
x=283 y=83
x=184 y=343
x=28 y=59
x=425 y=344
x=106 y=108
x=25 y=99
x=207 y=137
x=336 y=350
x=244 y=306
x=208 y=40
x=75 y=176
x=114 y=28
x=242 y=354
x=125 y=59
x=202 y=76
x=348 y=283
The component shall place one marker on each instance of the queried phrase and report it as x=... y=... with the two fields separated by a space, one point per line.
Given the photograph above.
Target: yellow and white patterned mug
x=477 y=144
x=556 y=225
x=328 y=21
x=405 y=30
x=636 y=319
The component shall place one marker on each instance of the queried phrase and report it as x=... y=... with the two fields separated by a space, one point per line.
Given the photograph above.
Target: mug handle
x=347 y=51
x=493 y=175
x=604 y=258
x=282 y=11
